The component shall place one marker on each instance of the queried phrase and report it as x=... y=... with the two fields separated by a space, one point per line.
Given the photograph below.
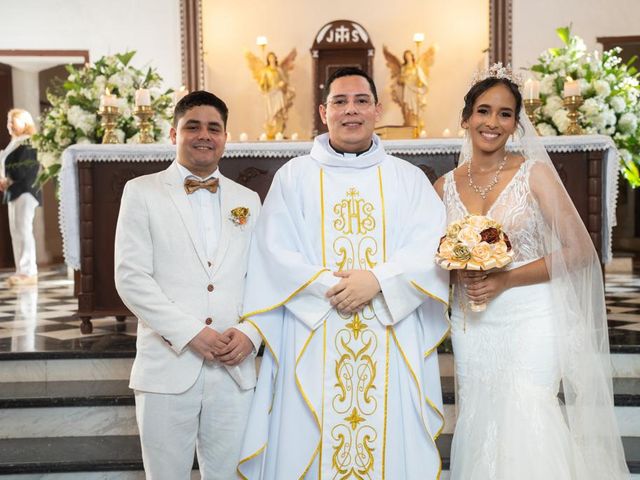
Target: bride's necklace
x=484 y=191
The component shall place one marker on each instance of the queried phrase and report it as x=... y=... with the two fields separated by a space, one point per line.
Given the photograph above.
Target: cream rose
x=469 y=237
x=500 y=248
x=481 y=252
x=477 y=221
x=446 y=249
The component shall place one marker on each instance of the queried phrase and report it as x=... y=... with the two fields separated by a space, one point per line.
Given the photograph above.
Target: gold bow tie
x=191 y=185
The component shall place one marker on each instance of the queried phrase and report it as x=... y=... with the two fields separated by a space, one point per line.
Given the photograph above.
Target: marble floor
x=39 y=319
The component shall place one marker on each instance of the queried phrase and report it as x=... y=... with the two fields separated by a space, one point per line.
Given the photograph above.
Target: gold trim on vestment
x=424 y=422
x=386 y=399
x=297 y=291
x=299 y=385
x=250 y=457
x=324 y=365
x=384 y=221
x=324 y=254
x=429 y=294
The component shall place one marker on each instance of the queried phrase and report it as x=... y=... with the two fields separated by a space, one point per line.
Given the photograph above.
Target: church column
x=192 y=52
x=500 y=22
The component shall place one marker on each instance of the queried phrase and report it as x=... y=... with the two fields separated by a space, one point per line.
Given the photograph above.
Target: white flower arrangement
x=73 y=117
x=610 y=89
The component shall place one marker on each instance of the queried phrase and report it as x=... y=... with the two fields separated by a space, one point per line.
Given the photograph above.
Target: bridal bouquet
x=474 y=243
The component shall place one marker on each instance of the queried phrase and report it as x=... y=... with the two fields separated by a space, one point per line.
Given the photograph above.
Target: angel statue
x=409 y=83
x=273 y=80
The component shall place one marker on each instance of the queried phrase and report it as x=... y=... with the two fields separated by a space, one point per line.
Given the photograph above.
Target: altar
x=93 y=177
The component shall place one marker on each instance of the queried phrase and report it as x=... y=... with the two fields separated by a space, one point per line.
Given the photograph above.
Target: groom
x=180 y=262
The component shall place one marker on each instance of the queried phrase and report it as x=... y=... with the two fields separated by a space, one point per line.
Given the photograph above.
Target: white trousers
x=211 y=417
x=21 y=213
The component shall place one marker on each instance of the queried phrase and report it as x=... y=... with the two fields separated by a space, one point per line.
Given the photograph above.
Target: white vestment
x=346 y=396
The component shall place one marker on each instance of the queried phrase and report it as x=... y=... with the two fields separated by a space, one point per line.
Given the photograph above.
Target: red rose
x=490 y=235
x=506 y=241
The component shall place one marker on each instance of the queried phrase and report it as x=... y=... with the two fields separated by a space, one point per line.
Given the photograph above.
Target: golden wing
x=427 y=59
x=255 y=65
x=393 y=63
x=287 y=63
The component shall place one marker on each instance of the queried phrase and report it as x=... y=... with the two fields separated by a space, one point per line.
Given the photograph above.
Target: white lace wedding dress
x=510 y=423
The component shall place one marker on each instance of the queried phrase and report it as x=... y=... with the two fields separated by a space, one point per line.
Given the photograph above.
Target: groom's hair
x=196 y=99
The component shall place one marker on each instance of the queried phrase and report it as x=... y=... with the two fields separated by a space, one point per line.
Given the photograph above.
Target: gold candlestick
x=573 y=103
x=530 y=106
x=109 y=116
x=144 y=113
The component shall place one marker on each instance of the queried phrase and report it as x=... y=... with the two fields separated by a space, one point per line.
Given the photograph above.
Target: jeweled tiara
x=497 y=70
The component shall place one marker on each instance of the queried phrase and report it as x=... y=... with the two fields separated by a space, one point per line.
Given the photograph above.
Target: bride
x=544 y=330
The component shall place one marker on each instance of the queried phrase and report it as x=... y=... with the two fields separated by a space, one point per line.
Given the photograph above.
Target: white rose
x=83 y=141
x=552 y=105
x=561 y=120
x=557 y=63
x=134 y=139
x=584 y=86
x=628 y=122
x=545 y=129
x=547 y=84
x=625 y=155
x=591 y=107
x=602 y=88
x=47 y=159
x=120 y=134
x=618 y=104
x=599 y=122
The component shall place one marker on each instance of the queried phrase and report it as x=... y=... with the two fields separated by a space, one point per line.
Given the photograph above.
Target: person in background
x=18 y=173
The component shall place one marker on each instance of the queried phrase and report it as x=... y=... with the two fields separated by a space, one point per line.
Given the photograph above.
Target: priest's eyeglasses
x=341 y=102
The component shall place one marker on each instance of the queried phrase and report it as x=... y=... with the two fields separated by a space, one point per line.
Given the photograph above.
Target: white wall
x=459 y=27
x=535 y=22
x=151 y=27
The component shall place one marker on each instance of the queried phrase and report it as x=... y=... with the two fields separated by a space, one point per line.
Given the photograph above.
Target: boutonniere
x=239 y=216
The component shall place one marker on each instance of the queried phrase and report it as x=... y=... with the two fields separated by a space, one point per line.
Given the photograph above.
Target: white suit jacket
x=163 y=277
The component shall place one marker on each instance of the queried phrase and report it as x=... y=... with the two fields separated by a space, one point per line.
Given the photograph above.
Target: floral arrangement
x=610 y=90
x=73 y=117
x=474 y=243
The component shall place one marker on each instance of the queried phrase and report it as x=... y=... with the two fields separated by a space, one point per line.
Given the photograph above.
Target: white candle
x=279 y=136
x=143 y=97
x=177 y=96
x=446 y=133
x=531 y=89
x=418 y=37
x=423 y=134
x=244 y=137
x=571 y=88
x=108 y=99
x=263 y=137
x=294 y=136
x=261 y=41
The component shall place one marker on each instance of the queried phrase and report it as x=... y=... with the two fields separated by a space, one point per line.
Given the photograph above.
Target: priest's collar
x=323 y=152
x=350 y=154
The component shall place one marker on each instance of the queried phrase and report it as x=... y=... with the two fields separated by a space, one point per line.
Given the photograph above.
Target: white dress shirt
x=206 y=212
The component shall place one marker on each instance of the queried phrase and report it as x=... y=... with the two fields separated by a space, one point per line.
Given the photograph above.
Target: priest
x=343 y=289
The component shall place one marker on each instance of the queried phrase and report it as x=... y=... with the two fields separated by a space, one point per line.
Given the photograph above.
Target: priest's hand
x=237 y=347
x=356 y=289
x=207 y=342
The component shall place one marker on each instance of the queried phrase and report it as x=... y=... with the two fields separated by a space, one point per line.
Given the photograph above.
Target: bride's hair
x=482 y=86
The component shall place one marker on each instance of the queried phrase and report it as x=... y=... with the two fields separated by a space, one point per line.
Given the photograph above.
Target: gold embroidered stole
x=355 y=346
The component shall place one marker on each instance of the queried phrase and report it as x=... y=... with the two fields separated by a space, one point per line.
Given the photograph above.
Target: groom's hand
x=206 y=342
x=354 y=291
x=237 y=346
